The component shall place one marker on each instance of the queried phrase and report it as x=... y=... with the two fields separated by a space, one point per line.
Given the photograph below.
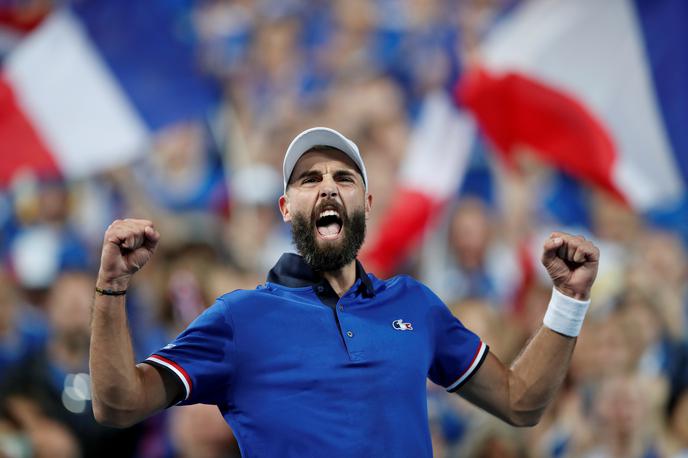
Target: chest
x=299 y=341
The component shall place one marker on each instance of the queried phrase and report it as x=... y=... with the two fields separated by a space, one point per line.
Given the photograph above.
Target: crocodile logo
x=399 y=325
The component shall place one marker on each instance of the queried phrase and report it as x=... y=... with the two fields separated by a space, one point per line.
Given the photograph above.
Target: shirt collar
x=293 y=271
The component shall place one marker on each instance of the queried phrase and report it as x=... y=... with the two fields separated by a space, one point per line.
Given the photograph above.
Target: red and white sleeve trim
x=176 y=368
x=477 y=360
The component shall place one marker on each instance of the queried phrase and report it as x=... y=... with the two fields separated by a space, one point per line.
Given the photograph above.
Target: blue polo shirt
x=299 y=372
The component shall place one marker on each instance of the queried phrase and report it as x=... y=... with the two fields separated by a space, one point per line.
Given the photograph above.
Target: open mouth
x=329 y=224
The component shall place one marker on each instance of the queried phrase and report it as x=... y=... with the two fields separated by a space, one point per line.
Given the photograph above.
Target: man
x=324 y=359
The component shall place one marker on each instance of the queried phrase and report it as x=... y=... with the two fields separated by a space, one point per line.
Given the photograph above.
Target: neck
x=341 y=280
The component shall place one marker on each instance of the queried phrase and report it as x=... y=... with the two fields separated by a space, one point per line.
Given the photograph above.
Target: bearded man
x=325 y=359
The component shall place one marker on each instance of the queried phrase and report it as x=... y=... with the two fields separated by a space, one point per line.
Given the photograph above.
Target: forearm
x=117 y=387
x=519 y=394
x=536 y=375
x=538 y=372
x=123 y=393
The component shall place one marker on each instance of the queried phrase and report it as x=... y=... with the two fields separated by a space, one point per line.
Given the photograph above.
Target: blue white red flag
x=432 y=172
x=86 y=89
x=596 y=89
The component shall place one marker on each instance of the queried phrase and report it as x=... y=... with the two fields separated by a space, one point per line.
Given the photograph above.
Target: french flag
x=597 y=89
x=433 y=169
x=86 y=89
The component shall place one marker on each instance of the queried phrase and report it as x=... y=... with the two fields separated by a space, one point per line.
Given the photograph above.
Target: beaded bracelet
x=110 y=292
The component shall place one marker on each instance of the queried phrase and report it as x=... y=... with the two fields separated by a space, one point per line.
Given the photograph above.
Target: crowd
x=364 y=68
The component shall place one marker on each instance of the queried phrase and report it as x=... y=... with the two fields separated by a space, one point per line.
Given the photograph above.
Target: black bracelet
x=110 y=292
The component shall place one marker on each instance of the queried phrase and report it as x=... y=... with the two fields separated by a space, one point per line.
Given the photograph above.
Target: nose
x=328 y=188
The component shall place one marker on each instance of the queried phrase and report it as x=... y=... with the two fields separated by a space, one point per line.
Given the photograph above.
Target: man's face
x=327 y=205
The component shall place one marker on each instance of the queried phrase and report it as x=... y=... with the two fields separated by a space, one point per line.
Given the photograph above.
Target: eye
x=309 y=180
x=346 y=178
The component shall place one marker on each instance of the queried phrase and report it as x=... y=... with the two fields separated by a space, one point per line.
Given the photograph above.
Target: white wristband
x=565 y=314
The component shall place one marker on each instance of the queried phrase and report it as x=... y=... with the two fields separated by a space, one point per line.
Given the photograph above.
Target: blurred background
x=484 y=124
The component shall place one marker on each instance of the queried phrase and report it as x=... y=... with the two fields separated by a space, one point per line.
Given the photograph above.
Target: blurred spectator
x=199 y=431
x=475 y=262
x=493 y=439
x=658 y=270
x=22 y=331
x=623 y=424
x=254 y=234
x=54 y=384
x=184 y=172
x=27 y=432
x=41 y=237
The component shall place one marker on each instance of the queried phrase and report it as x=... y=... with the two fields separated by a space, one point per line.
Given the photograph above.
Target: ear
x=368 y=205
x=284 y=208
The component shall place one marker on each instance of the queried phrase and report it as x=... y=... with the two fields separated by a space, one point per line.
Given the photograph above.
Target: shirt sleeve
x=458 y=351
x=202 y=357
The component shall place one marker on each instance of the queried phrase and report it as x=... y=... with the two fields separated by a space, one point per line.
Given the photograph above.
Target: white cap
x=321 y=136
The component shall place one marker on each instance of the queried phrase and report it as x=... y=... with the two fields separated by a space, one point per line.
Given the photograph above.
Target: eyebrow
x=316 y=173
x=306 y=174
x=344 y=173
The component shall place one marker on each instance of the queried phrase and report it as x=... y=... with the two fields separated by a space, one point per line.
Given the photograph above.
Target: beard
x=328 y=256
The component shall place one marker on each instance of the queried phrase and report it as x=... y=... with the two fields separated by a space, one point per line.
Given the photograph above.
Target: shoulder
x=240 y=297
x=401 y=281
x=231 y=301
x=246 y=300
x=411 y=288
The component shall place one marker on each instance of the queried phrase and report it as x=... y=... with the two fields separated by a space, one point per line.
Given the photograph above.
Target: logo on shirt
x=399 y=325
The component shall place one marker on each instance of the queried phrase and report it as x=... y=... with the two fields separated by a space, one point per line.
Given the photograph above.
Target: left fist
x=571 y=261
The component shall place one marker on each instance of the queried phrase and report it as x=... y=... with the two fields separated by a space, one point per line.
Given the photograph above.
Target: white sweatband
x=565 y=314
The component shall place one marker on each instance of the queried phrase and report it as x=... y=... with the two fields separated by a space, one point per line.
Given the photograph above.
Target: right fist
x=128 y=245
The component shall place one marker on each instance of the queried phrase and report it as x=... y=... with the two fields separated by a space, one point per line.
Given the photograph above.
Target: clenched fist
x=571 y=261
x=128 y=245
